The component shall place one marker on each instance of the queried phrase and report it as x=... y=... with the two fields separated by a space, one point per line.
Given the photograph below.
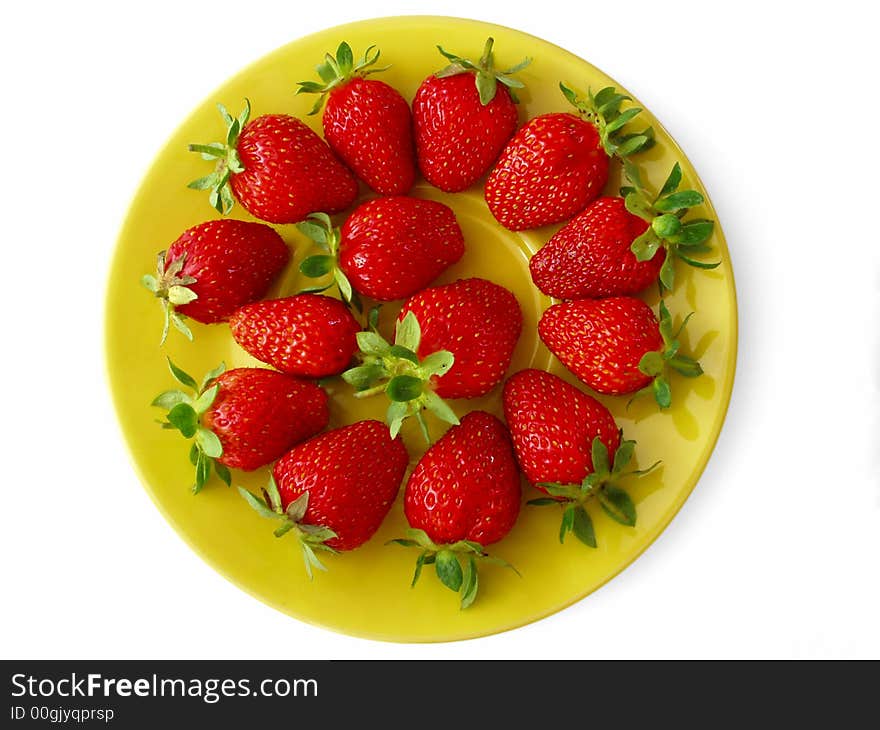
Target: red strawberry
x=214 y=268
x=242 y=418
x=478 y=322
x=464 y=494
x=616 y=345
x=557 y=164
x=452 y=341
x=389 y=248
x=334 y=490
x=563 y=439
x=463 y=118
x=553 y=425
x=278 y=168
x=366 y=122
x=306 y=334
x=591 y=256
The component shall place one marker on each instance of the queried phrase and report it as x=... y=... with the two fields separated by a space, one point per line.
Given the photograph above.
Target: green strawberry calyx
x=336 y=71
x=455 y=563
x=310 y=537
x=601 y=485
x=486 y=76
x=228 y=162
x=185 y=413
x=320 y=229
x=665 y=213
x=603 y=110
x=397 y=371
x=172 y=289
x=657 y=363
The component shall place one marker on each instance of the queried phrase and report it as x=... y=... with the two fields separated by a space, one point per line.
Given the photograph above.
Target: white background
x=776 y=552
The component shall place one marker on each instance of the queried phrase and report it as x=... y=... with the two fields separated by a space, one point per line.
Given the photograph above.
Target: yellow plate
x=366 y=592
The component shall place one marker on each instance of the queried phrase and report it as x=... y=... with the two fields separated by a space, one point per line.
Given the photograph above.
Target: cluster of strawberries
x=333 y=489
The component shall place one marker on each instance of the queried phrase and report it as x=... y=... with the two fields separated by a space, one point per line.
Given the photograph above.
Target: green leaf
x=404 y=353
x=667 y=273
x=373 y=317
x=665 y=324
x=666 y=225
x=257 y=504
x=314 y=289
x=437 y=363
x=395 y=416
x=633 y=174
x=372 y=344
x=449 y=570
x=403 y=542
x=693 y=233
x=599 y=454
x=646 y=245
x=420 y=561
x=678 y=201
x=315 y=232
x=408 y=332
x=569 y=94
x=582 y=526
x=672 y=182
x=632 y=144
x=317 y=266
x=404 y=388
x=344 y=285
x=617 y=505
x=697 y=264
x=567 y=522
x=364 y=376
x=423 y=426
x=212 y=375
x=636 y=204
x=206 y=399
x=177 y=320
x=204 y=183
x=685 y=365
x=469 y=583
x=296 y=510
x=180 y=376
x=440 y=408
x=622 y=120
x=651 y=363
x=662 y=393
x=169 y=399
x=194 y=454
x=184 y=418
x=420 y=536
x=543 y=501
x=223 y=473
x=623 y=455
x=487 y=86
x=203 y=471
x=344 y=57
x=273 y=497
x=209 y=443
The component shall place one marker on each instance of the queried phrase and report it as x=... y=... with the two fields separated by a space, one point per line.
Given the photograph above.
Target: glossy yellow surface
x=366 y=592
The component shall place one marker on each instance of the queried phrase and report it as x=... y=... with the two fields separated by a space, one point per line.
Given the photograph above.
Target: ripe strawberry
x=563 y=439
x=306 y=334
x=277 y=167
x=366 y=122
x=590 y=256
x=242 y=418
x=557 y=163
x=334 y=490
x=451 y=341
x=464 y=494
x=616 y=345
x=463 y=118
x=553 y=425
x=478 y=322
x=389 y=248
x=664 y=212
x=214 y=268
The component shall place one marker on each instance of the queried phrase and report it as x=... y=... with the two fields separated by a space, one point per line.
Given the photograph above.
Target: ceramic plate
x=366 y=592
